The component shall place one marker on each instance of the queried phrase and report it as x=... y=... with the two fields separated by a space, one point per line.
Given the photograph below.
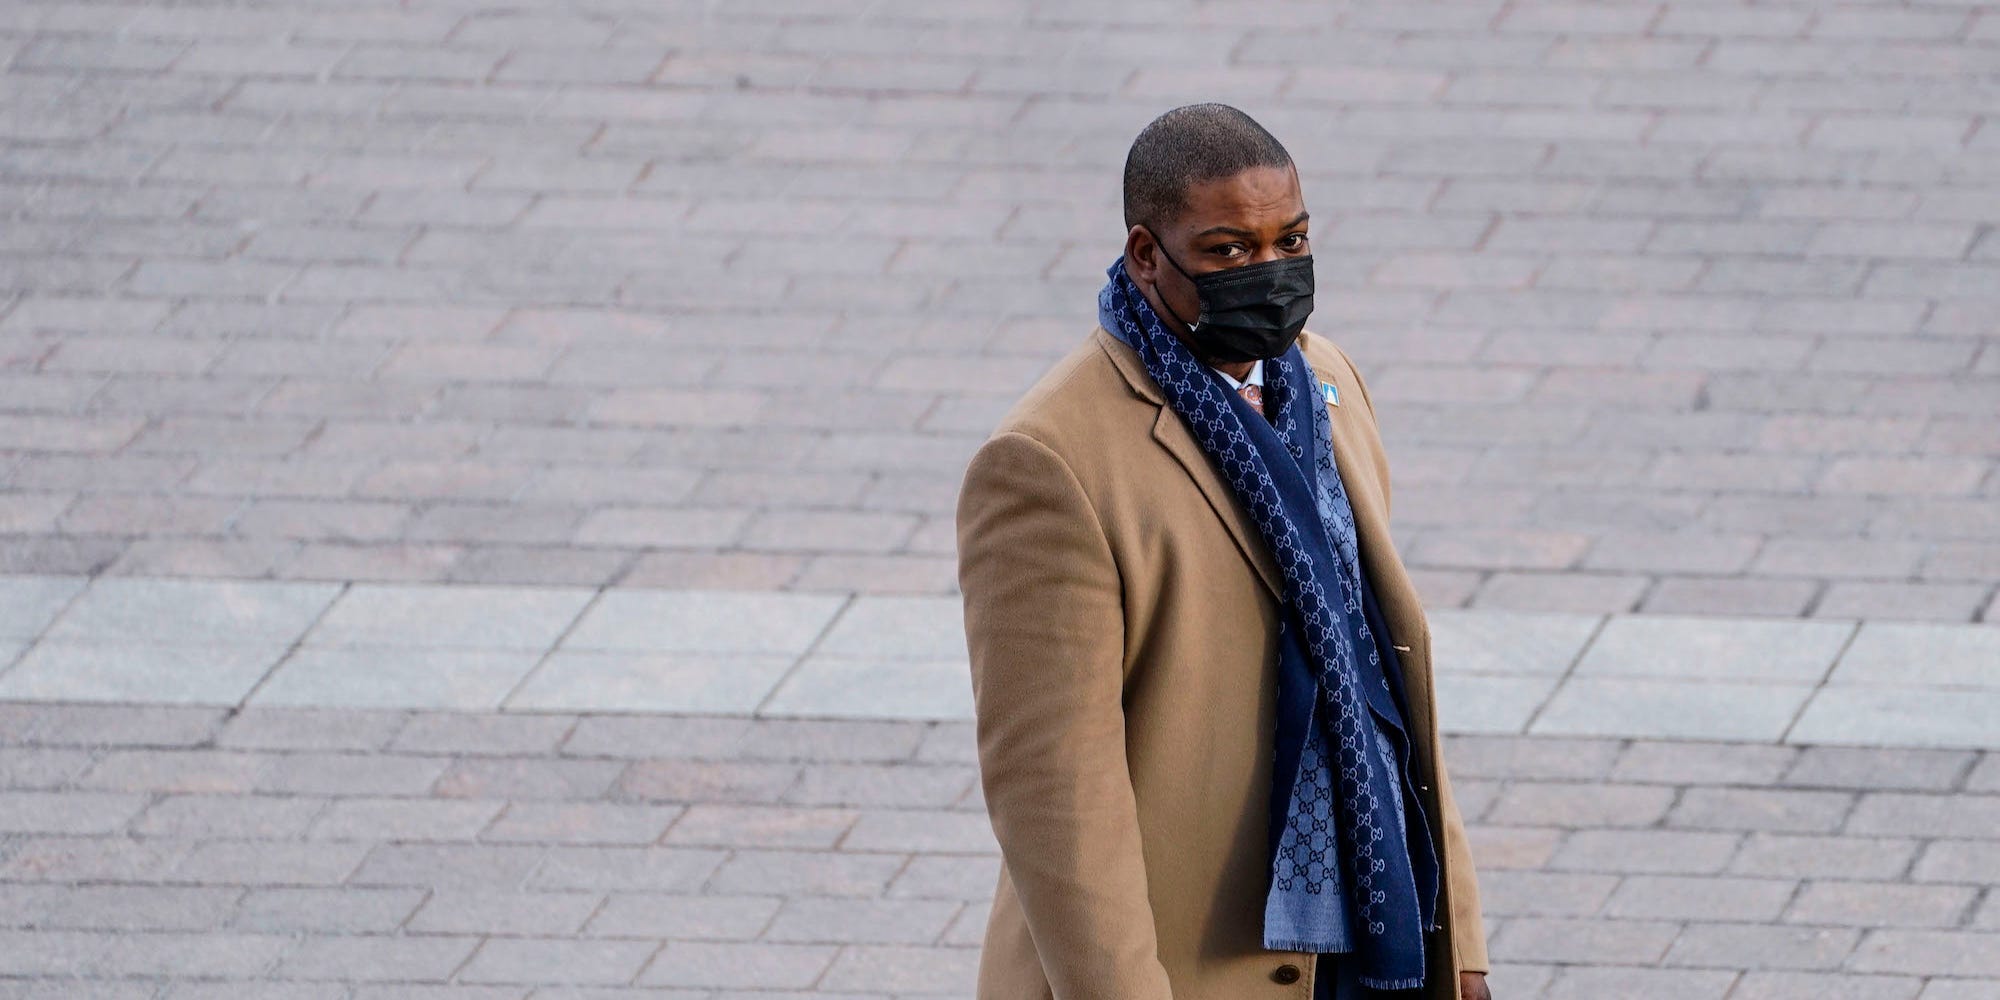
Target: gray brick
x=1579 y=804
x=67 y=812
x=1880 y=904
x=1703 y=763
x=332 y=910
x=1880 y=768
x=1760 y=809
x=1744 y=946
x=1930 y=953
x=529 y=960
x=582 y=823
x=1554 y=939
x=447 y=865
x=1579 y=982
x=1761 y=985
x=1927 y=815
x=738 y=966
x=664 y=869
x=686 y=917
x=1661 y=851
x=1808 y=856
x=1674 y=897
x=1972 y=861
x=116 y=907
x=377 y=958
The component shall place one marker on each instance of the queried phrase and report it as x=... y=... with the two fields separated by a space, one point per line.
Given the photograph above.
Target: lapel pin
x=1330 y=392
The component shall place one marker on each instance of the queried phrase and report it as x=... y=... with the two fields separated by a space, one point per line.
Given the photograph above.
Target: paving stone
x=1665 y=851
x=1679 y=897
x=738 y=965
x=1580 y=805
x=1957 y=861
x=309 y=729
x=1879 y=768
x=1741 y=946
x=1681 y=762
x=1760 y=809
x=1577 y=982
x=203 y=612
x=582 y=823
x=1714 y=648
x=622 y=682
x=377 y=958
x=1899 y=716
x=657 y=736
x=331 y=910
x=1891 y=652
x=404 y=820
x=1505 y=893
x=389 y=678
x=230 y=817
x=702 y=622
x=499 y=735
x=1763 y=985
x=1557 y=939
x=1927 y=815
x=1823 y=856
x=462 y=616
x=1880 y=904
x=688 y=917
x=664 y=869
x=58 y=670
x=1743 y=711
x=1929 y=953
x=531 y=960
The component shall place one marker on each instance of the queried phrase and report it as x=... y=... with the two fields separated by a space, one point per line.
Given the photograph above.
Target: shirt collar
x=1256 y=376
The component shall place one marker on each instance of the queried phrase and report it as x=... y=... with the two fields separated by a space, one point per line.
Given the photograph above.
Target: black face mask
x=1251 y=312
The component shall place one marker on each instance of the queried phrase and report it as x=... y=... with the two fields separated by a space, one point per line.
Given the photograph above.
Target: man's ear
x=1142 y=255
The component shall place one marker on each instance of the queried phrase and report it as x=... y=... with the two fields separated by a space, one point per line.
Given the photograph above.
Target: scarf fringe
x=1390 y=984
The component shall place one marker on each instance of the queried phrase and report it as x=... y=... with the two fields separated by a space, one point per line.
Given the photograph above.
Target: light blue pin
x=1330 y=392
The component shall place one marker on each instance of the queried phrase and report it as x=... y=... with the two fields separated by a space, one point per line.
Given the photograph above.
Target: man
x=1201 y=674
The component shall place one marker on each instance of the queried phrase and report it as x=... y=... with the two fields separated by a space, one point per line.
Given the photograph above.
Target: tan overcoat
x=1121 y=616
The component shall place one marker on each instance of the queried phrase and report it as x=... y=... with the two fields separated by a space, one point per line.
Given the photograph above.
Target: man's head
x=1206 y=188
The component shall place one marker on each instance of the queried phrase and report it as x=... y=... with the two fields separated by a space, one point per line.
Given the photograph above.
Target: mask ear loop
x=1162 y=247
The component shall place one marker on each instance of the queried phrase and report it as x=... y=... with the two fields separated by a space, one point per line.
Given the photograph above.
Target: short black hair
x=1186 y=146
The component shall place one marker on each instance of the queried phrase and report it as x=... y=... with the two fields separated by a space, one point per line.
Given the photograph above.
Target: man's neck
x=1238 y=370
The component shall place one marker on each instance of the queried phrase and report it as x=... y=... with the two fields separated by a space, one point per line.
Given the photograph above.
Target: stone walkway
x=1669 y=307
x=577 y=649
x=407 y=405
x=346 y=853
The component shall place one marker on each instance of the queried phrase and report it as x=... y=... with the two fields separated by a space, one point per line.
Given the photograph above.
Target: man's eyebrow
x=1245 y=233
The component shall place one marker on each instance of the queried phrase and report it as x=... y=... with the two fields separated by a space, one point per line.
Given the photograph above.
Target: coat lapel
x=1173 y=435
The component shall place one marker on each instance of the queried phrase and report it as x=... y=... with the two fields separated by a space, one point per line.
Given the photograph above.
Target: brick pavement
x=305 y=853
x=1680 y=307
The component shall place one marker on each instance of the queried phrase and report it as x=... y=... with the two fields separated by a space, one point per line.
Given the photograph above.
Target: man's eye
x=1227 y=250
x=1294 y=241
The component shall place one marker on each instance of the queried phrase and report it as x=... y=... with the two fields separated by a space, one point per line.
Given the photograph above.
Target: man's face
x=1245 y=218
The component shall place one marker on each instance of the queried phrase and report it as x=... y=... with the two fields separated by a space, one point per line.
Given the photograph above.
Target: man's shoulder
x=1084 y=392
x=1323 y=354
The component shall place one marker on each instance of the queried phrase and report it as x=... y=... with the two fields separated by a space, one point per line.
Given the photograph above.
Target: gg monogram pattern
x=1345 y=807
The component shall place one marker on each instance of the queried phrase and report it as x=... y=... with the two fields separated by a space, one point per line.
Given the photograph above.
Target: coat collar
x=1172 y=433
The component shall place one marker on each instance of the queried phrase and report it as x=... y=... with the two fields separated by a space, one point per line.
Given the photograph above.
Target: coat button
x=1287 y=974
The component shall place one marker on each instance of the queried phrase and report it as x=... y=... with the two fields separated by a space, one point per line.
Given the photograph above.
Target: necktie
x=1255 y=394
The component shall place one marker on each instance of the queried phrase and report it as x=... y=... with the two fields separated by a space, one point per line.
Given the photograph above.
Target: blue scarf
x=1342 y=875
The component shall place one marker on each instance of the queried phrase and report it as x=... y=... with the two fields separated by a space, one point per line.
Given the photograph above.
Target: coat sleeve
x=1044 y=628
x=1468 y=933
